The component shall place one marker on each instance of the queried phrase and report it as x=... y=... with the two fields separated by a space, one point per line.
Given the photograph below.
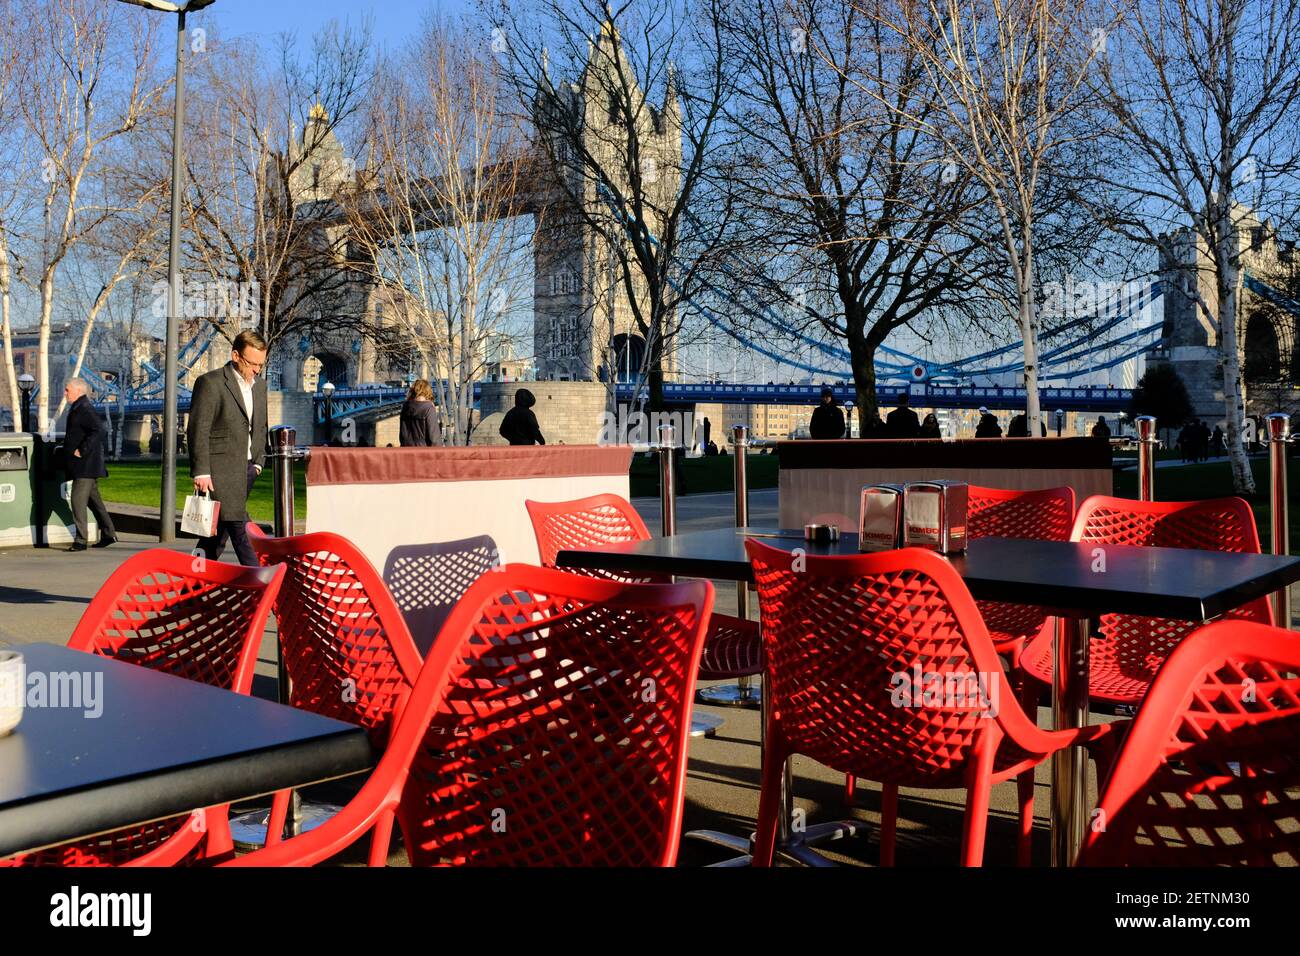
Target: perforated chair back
x=1132 y=648
x=548 y=726
x=583 y=523
x=183 y=615
x=852 y=643
x=1046 y=515
x=1209 y=773
x=346 y=647
x=189 y=617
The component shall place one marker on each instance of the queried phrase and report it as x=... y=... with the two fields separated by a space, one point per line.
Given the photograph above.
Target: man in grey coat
x=227 y=439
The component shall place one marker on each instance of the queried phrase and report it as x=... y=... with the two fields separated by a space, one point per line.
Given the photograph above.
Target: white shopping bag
x=200 y=515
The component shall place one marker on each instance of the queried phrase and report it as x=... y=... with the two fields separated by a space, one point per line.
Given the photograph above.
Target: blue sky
x=391 y=20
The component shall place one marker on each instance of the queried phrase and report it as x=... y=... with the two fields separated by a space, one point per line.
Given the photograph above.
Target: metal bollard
x=741 y=693
x=1279 y=436
x=283 y=441
x=667 y=481
x=1147 y=444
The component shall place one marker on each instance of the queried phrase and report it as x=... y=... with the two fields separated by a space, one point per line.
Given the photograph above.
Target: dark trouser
x=85 y=491
x=236 y=532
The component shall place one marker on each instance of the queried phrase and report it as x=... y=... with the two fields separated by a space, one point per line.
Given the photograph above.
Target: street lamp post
x=1060 y=421
x=27 y=385
x=166 y=526
x=328 y=390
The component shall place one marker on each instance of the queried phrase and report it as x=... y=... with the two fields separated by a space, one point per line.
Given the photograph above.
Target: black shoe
x=78 y=546
x=104 y=541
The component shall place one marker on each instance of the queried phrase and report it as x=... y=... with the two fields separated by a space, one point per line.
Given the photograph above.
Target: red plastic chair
x=733 y=648
x=548 y=727
x=843 y=637
x=189 y=617
x=1045 y=515
x=346 y=646
x=1209 y=773
x=1129 y=649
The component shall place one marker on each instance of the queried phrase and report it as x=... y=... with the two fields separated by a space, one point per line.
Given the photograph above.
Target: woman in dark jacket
x=930 y=427
x=419 y=422
x=519 y=427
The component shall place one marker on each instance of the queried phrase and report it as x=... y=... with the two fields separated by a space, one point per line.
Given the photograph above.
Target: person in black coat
x=83 y=451
x=902 y=421
x=1101 y=429
x=519 y=427
x=827 y=418
x=418 y=426
x=930 y=427
x=988 y=426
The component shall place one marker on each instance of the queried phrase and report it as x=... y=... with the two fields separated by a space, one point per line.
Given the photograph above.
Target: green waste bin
x=52 y=495
x=17 y=509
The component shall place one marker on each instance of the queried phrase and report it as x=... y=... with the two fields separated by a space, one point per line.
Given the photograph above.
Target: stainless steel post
x=1147 y=443
x=283 y=441
x=741 y=693
x=667 y=483
x=167 y=526
x=1069 y=768
x=1279 y=436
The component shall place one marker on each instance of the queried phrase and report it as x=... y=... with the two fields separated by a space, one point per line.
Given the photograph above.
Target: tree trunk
x=1029 y=335
x=6 y=333
x=862 y=358
x=43 y=423
x=1234 y=385
x=655 y=375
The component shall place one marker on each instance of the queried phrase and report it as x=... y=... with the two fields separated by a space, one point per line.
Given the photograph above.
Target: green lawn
x=138 y=483
x=1213 y=479
x=712 y=473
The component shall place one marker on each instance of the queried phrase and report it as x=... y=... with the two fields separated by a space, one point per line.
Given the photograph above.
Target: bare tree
x=437 y=221
x=264 y=172
x=87 y=79
x=845 y=185
x=1201 y=96
x=637 y=177
x=10 y=159
x=1009 y=78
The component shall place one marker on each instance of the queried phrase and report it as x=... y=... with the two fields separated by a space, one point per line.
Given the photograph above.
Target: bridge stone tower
x=582 y=312
x=1189 y=340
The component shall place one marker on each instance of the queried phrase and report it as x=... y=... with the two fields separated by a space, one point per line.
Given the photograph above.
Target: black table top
x=161 y=746
x=1058 y=575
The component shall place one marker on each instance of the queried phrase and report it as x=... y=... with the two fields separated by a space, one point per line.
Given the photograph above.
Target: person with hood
x=519 y=427
x=418 y=425
x=988 y=426
x=930 y=427
x=827 y=418
x=1101 y=429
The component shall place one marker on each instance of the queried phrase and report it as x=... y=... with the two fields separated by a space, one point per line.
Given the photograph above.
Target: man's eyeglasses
x=255 y=366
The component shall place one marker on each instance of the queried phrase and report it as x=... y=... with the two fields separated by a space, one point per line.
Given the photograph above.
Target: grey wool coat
x=218 y=434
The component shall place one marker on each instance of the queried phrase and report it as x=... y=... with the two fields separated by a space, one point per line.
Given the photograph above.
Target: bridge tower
x=1189 y=339
x=581 y=306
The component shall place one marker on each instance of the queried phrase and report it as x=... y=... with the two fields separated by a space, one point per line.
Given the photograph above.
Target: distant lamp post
x=167 y=529
x=1060 y=421
x=328 y=390
x=848 y=419
x=27 y=385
